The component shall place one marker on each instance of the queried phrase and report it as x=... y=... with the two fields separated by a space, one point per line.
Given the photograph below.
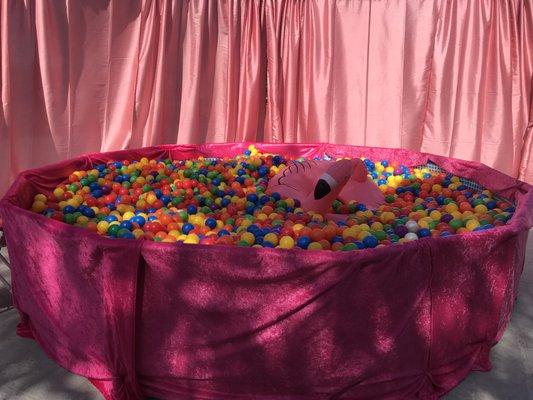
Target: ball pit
x=224 y=201
x=232 y=315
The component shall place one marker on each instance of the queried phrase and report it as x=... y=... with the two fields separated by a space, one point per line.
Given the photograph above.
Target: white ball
x=412 y=226
x=411 y=236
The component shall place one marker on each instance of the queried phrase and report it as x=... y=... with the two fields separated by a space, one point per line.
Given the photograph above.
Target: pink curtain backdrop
x=448 y=77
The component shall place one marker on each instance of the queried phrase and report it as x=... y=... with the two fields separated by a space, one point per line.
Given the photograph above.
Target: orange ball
x=317 y=235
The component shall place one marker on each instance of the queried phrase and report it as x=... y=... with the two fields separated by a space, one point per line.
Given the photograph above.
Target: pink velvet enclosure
x=177 y=321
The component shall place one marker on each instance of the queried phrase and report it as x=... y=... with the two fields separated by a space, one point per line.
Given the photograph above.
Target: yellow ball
x=128 y=215
x=137 y=233
x=38 y=206
x=363 y=234
x=102 y=226
x=297 y=227
x=435 y=215
x=40 y=197
x=451 y=207
x=377 y=226
x=286 y=242
x=480 y=209
x=472 y=224
x=272 y=238
x=58 y=192
x=82 y=220
x=248 y=237
x=262 y=217
x=192 y=238
x=349 y=232
x=314 y=246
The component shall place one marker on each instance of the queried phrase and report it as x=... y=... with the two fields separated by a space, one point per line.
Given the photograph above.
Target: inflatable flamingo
x=316 y=184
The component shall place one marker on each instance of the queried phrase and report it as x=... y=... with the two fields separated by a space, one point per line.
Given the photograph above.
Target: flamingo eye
x=322 y=188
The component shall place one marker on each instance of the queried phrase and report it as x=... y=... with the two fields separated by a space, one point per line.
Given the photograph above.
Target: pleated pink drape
x=449 y=77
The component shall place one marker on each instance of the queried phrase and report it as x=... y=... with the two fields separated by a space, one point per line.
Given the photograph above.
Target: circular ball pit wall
x=169 y=320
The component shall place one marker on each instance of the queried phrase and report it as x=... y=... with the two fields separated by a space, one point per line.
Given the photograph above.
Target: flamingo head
x=335 y=177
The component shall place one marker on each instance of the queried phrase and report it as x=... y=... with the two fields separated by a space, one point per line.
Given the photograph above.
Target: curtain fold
x=448 y=77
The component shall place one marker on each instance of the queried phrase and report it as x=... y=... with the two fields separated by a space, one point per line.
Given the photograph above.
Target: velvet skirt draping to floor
x=215 y=322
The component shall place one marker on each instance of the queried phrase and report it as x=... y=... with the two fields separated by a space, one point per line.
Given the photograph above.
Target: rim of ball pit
x=502 y=185
x=428 y=257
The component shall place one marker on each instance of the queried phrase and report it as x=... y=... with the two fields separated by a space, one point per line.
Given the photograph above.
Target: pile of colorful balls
x=223 y=201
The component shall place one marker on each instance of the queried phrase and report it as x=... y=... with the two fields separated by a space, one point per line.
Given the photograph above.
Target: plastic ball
x=286 y=242
x=410 y=236
x=412 y=226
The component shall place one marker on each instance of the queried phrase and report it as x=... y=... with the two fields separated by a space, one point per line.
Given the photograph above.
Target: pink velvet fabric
x=215 y=322
x=451 y=77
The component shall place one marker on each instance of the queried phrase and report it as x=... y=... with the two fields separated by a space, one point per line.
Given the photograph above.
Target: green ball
x=113 y=230
x=70 y=218
x=243 y=243
x=455 y=224
x=349 y=246
x=390 y=198
x=380 y=235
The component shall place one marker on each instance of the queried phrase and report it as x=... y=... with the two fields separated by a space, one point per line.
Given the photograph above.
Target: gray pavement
x=27 y=374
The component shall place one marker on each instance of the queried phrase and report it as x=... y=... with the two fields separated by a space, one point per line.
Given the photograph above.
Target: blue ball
x=250 y=210
x=303 y=242
x=191 y=209
x=88 y=212
x=127 y=225
x=211 y=223
x=491 y=204
x=111 y=218
x=215 y=181
x=252 y=197
x=267 y=244
x=223 y=232
x=336 y=239
x=152 y=218
x=385 y=163
x=97 y=193
x=360 y=245
x=370 y=241
x=262 y=170
x=276 y=196
x=138 y=219
x=263 y=200
x=424 y=232
x=187 y=227
x=225 y=202
x=118 y=179
x=247 y=152
x=69 y=210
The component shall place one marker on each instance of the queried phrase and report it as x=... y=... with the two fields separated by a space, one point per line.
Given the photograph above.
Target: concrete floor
x=27 y=374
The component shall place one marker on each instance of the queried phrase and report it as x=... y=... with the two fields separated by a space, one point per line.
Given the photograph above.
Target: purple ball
x=446 y=218
x=401 y=230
